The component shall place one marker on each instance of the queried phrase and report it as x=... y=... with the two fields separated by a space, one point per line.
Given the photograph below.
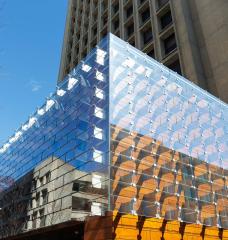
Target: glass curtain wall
x=122 y=133
x=55 y=167
x=169 y=142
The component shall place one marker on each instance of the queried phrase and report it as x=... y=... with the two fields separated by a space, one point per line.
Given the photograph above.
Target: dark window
x=37 y=199
x=33 y=184
x=151 y=53
x=166 y=19
x=45 y=196
x=94 y=31
x=132 y=43
x=116 y=24
x=175 y=66
x=129 y=11
x=130 y=30
x=147 y=36
x=85 y=41
x=116 y=8
x=141 y=1
x=80 y=204
x=145 y=15
x=76 y=186
x=105 y=20
x=48 y=174
x=170 y=43
x=162 y=2
x=42 y=218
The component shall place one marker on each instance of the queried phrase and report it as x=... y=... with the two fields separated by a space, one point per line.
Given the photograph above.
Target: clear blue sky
x=31 y=35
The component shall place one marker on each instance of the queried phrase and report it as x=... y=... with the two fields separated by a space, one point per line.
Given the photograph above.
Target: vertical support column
x=90 y=26
x=82 y=30
x=154 y=28
x=157 y=43
x=121 y=17
x=136 y=24
x=99 y=22
x=75 y=34
x=109 y=15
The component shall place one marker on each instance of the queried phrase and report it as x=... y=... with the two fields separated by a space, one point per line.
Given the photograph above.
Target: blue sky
x=31 y=35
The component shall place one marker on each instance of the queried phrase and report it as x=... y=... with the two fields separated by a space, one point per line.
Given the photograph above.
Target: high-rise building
x=124 y=149
x=190 y=37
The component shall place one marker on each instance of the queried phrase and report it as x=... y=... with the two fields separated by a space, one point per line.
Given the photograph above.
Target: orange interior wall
x=128 y=227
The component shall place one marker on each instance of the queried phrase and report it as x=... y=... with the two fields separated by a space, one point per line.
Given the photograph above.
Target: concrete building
x=190 y=37
x=53 y=193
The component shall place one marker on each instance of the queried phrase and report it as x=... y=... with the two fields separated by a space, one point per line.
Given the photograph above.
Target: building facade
x=189 y=37
x=125 y=148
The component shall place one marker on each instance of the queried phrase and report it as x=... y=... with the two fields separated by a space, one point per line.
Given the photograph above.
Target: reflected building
x=124 y=149
x=54 y=192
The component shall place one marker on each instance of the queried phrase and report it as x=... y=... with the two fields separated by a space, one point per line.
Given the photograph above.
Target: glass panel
x=169 y=145
x=55 y=168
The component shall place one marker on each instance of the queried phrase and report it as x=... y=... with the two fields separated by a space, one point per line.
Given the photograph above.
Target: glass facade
x=169 y=142
x=122 y=133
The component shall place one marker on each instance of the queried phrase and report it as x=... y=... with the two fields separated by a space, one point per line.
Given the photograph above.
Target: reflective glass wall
x=169 y=142
x=122 y=133
x=55 y=167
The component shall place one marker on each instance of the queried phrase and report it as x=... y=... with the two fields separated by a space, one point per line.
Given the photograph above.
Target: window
x=175 y=66
x=130 y=30
x=37 y=199
x=48 y=177
x=99 y=93
x=129 y=11
x=166 y=20
x=42 y=218
x=41 y=181
x=98 y=156
x=80 y=204
x=99 y=76
x=141 y=1
x=115 y=8
x=45 y=196
x=98 y=133
x=132 y=43
x=94 y=31
x=145 y=15
x=96 y=181
x=85 y=41
x=161 y=3
x=34 y=217
x=99 y=112
x=96 y=208
x=33 y=184
x=170 y=43
x=151 y=53
x=116 y=24
x=147 y=36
